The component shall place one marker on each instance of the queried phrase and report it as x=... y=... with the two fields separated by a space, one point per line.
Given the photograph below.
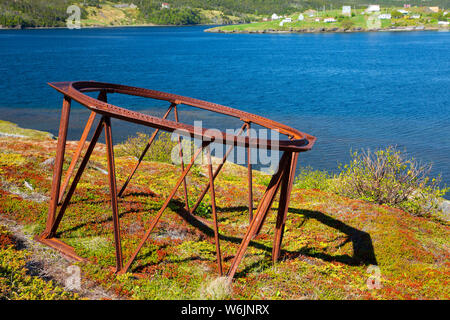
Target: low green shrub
x=308 y=178
x=161 y=149
x=15 y=281
x=388 y=177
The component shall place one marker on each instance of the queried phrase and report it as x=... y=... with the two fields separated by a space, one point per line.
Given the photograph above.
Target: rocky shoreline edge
x=326 y=30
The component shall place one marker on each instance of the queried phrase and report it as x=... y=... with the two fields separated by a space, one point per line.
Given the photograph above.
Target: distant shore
x=111 y=26
x=325 y=30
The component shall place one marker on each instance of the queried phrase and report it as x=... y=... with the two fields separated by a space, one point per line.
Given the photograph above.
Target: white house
x=402 y=11
x=317 y=20
x=415 y=16
x=329 y=20
x=301 y=17
x=373 y=8
x=282 y=22
x=385 y=16
x=444 y=23
x=346 y=10
x=275 y=17
x=165 y=5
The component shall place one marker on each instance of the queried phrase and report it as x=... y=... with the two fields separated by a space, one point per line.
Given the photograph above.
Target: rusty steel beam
x=249 y=177
x=219 y=167
x=213 y=208
x=77 y=177
x=261 y=213
x=175 y=111
x=58 y=166
x=284 y=177
x=101 y=97
x=285 y=195
x=144 y=152
x=113 y=191
x=160 y=212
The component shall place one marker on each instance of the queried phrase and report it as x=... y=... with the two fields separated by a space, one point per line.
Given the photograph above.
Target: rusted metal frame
x=77 y=177
x=166 y=203
x=249 y=176
x=58 y=166
x=102 y=97
x=219 y=167
x=113 y=191
x=175 y=111
x=301 y=141
x=144 y=152
x=214 y=211
x=77 y=87
x=285 y=195
x=263 y=209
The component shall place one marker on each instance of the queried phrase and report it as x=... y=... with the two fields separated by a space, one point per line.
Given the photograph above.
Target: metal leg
x=122 y=190
x=285 y=194
x=77 y=177
x=250 y=179
x=205 y=190
x=57 y=169
x=160 y=212
x=260 y=214
x=76 y=155
x=182 y=163
x=214 y=212
x=113 y=190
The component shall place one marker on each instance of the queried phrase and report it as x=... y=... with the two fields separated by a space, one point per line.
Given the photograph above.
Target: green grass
x=328 y=245
x=15 y=281
x=358 y=22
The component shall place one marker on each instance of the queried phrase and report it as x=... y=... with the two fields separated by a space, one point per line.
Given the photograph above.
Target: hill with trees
x=52 y=13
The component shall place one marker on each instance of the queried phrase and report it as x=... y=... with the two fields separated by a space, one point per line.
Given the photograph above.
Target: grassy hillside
x=52 y=13
x=329 y=245
x=358 y=21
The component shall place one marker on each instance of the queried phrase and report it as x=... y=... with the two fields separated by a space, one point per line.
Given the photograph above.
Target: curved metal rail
x=297 y=142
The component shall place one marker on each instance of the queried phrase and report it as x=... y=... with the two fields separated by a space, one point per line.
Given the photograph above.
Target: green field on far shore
x=416 y=18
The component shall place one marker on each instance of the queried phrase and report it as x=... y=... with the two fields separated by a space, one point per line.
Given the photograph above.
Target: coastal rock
x=444 y=206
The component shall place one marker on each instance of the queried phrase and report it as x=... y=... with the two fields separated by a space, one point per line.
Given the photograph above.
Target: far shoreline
x=324 y=30
x=114 y=26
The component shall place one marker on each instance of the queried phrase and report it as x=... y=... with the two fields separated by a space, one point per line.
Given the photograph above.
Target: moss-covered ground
x=329 y=244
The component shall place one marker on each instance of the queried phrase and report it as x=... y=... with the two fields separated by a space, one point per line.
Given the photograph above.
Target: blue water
x=352 y=91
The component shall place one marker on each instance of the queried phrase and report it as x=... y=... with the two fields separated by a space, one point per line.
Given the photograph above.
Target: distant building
x=385 y=16
x=373 y=8
x=402 y=11
x=133 y=6
x=406 y=6
x=444 y=23
x=275 y=17
x=434 y=9
x=415 y=16
x=282 y=22
x=301 y=17
x=329 y=20
x=317 y=20
x=346 y=10
x=165 y=5
x=265 y=19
